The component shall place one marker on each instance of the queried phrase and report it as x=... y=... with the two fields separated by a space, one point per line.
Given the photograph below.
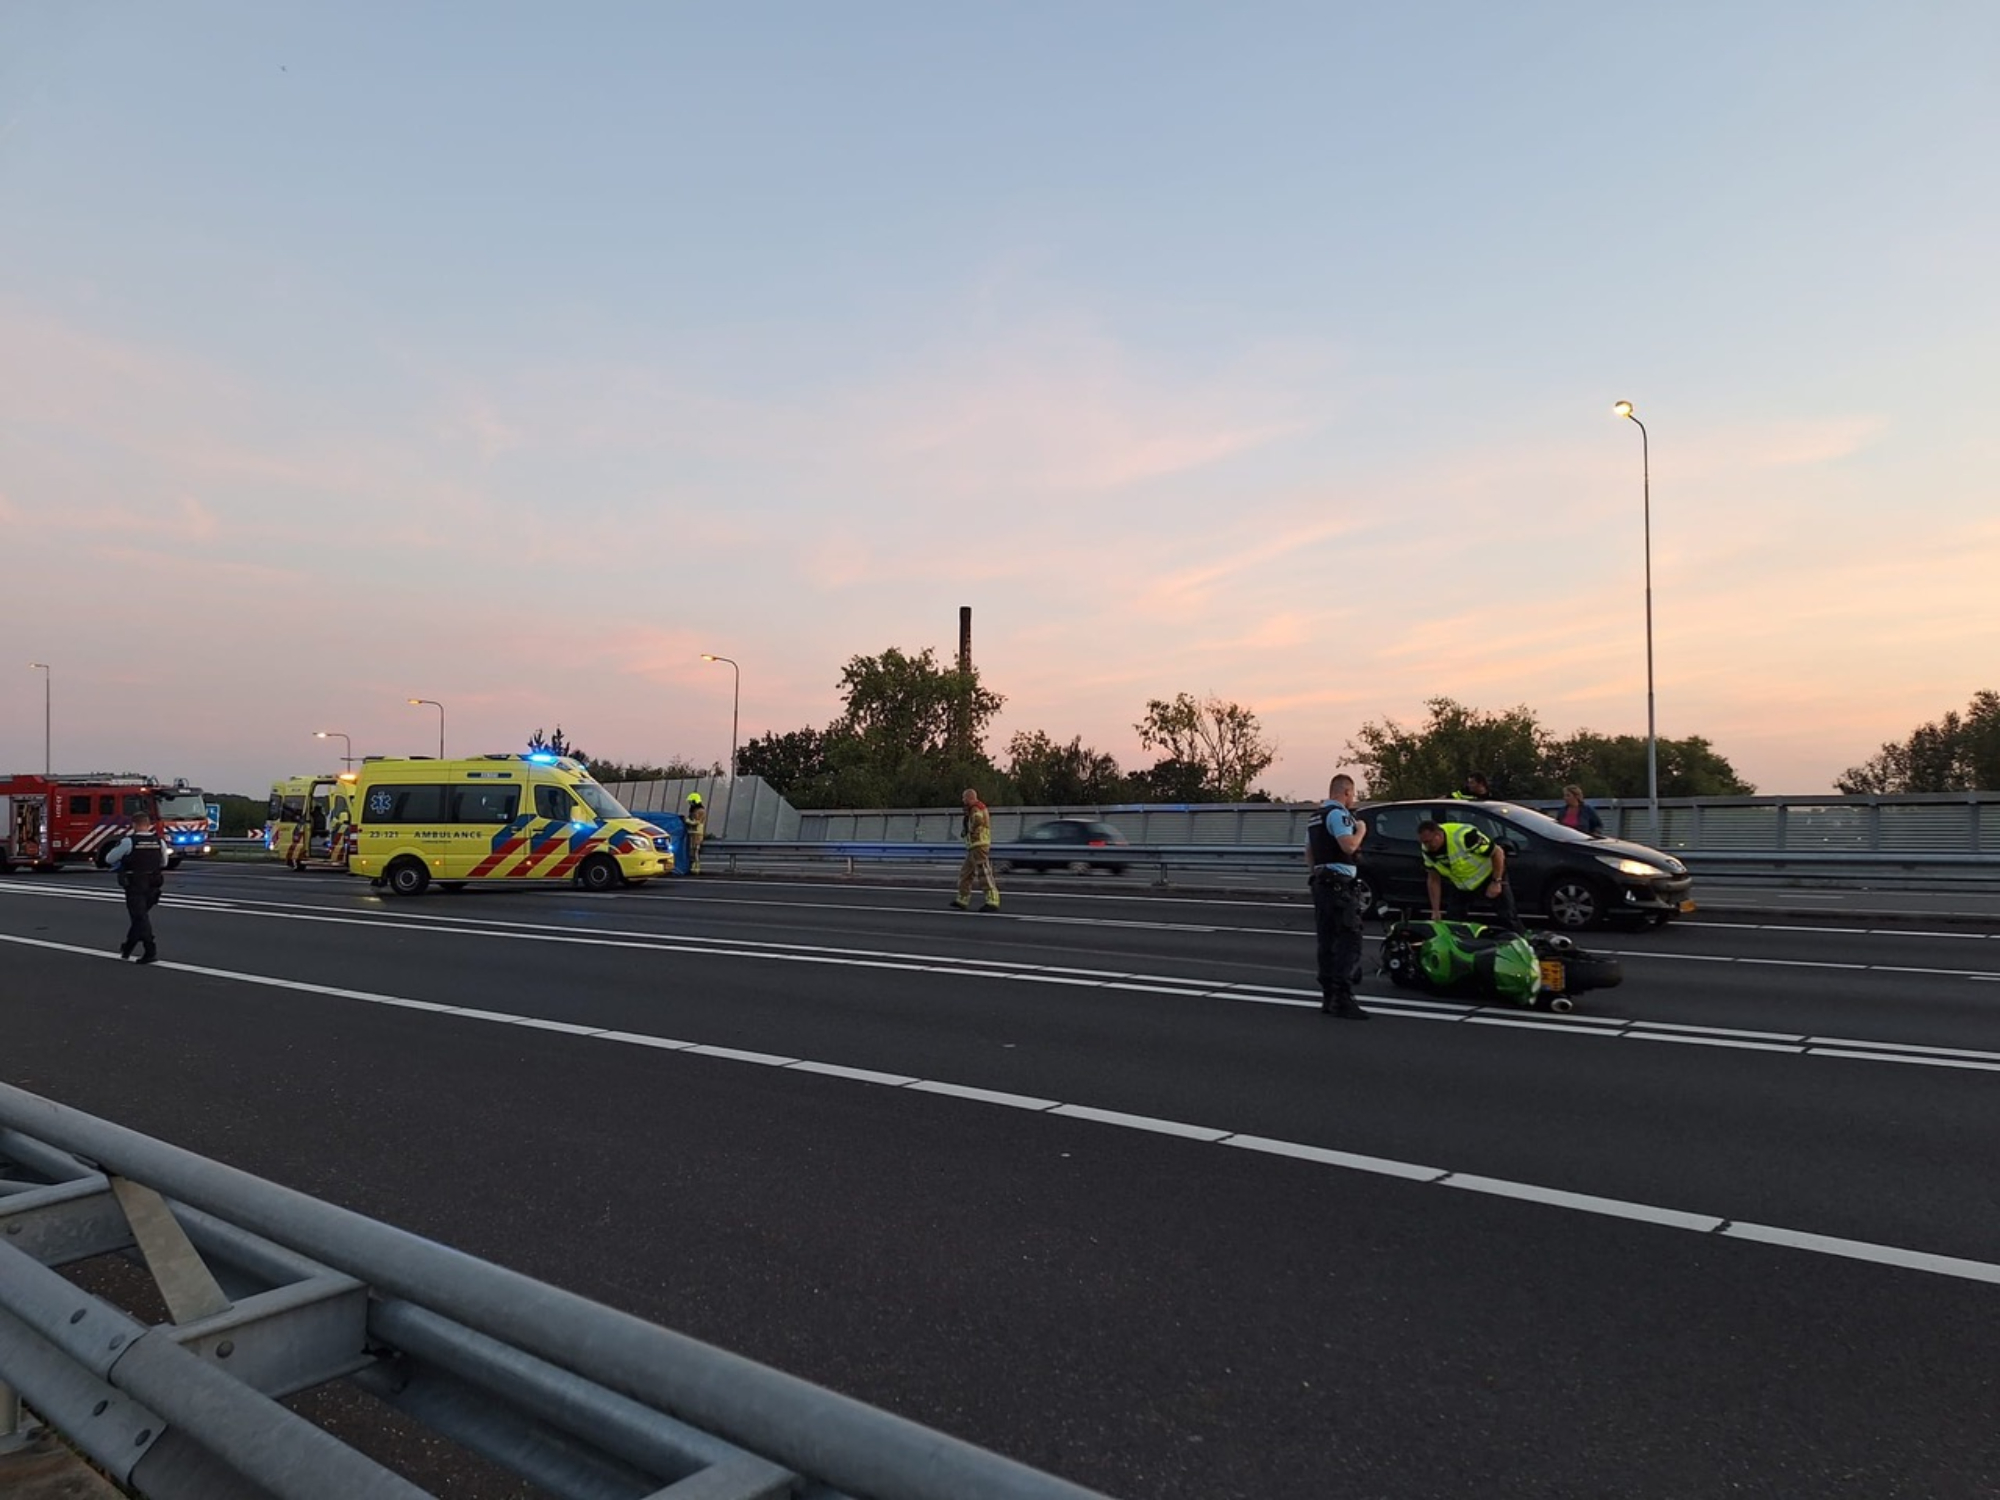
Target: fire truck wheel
x=599 y=873
x=407 y=877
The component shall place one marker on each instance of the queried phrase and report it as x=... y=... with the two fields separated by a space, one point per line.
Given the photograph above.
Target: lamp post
x=347 y=745
x=1624 y=409
x=735 y=703
x=48 y=699
x=440 y=708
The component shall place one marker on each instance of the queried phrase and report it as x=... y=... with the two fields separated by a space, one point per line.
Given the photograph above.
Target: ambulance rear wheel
x=599 y=873
x=406 y=877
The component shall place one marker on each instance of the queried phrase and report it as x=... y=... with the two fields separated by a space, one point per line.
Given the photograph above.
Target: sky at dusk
x=515 y=355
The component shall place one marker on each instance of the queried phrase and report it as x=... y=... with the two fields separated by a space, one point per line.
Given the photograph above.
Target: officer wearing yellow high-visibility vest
x=1462 y=866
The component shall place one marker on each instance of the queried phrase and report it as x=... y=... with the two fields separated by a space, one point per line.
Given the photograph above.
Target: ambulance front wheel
x=173 y=861
x=406 y=877
x=599 y=873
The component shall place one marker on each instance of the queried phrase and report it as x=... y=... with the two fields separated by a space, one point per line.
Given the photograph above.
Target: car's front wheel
x=1575 y=902
x=407 y=877
x=599 y=873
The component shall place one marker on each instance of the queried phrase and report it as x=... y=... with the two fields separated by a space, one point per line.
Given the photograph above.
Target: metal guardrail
x=1165 y=862
x=271 y=1292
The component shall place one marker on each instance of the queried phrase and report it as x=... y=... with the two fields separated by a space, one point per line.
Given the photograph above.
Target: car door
x=1528 y=860
x=1391 y=859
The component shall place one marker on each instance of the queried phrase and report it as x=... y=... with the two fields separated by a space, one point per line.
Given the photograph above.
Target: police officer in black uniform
x=141 y=862
x=1332 y=839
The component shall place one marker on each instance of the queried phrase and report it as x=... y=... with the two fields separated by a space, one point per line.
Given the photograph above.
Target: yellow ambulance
x=496 y=817
x=307 y=824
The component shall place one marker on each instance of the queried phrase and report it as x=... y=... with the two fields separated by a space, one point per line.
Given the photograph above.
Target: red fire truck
x=48 y=821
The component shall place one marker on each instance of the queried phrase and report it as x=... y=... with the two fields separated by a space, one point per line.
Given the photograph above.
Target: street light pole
x=440 y=708
x=347 y=745
x=1624 y=409
x=48 y=700
x=735 y=704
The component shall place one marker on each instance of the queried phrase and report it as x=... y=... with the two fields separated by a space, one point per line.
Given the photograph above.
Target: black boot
x=1343 y=1008
x=125 y=948
x=151 y=955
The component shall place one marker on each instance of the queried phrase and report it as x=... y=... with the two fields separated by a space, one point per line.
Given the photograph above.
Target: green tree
x=793 y=762
x=1615 y=766
x=909 y=705
x=1434 y=759
x=1957 y=753
x=1046 y=774
x=1171 y=780
x=1522 y=760
x=1224 y=739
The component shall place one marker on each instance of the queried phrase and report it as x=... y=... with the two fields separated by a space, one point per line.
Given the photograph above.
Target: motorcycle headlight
x=1637 y=869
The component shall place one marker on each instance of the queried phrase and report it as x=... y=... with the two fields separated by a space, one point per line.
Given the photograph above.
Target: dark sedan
x=1078 y=845
x=1576 y=880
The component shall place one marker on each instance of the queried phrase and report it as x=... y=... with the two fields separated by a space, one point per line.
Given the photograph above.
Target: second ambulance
x=495 y=817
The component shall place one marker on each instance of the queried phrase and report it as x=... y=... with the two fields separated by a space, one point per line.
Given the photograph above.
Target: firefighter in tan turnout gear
x=697 y=827
x=978 y=866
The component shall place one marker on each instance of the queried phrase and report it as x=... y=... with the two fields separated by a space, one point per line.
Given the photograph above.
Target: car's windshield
x=1539 y=822
x=599 y=801
x=182 y=805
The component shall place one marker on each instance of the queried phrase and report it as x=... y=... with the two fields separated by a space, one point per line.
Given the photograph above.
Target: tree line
x=912 y=733
x=1956 y=753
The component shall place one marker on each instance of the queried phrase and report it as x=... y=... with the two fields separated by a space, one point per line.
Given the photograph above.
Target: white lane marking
x=737 y=1054
x=1110 y=922
x=1798 y=963
x=983 y=1096
x=1887 y=1255
x=1713 y=1041
x=1398 y=1004
x=1139 y=1122
x=1752 y=1036
x=1535 y=1193
x=1617 y=1208
x=1299 y=1151
x=1864 y=1042
x=1904 y=1057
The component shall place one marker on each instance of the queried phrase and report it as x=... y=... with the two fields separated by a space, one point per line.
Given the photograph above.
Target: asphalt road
x=1091 y=1182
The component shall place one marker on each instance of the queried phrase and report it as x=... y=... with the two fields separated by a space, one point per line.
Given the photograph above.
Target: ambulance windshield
x=600 y=801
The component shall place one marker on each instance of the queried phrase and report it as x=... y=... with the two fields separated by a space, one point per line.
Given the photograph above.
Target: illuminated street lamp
x=48 y=694
x=347 y=745
x=440 y=708
x=1624 y=409
x=735 y=702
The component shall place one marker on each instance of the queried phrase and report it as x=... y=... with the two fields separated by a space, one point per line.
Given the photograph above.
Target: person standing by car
x=141 y=862
x=1579 y=814
x=697 y=827
x=978 y=866
x=1332 y=842
x=1462 y=866
x=1476 y=789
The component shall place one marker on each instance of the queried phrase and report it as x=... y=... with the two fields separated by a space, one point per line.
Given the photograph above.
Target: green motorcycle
x=1491 y=963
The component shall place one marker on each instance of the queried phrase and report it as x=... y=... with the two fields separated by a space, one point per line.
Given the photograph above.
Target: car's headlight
x=1638 y=869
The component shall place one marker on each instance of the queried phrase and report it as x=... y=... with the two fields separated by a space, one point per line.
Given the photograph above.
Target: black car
x=1078 y=845
x=1576 y=880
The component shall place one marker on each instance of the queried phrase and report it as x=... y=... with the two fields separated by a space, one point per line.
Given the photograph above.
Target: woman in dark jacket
x=1579 y=814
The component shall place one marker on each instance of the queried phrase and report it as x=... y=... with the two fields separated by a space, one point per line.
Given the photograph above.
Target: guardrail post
x=11 y=1435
